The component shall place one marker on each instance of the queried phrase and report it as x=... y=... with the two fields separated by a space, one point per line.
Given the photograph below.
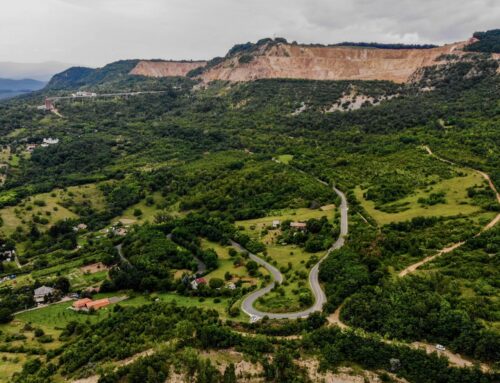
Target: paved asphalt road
x=319 y=295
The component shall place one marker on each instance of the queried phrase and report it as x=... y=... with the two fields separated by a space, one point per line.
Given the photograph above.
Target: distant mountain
x=24 y=85
x=10 y=88
x=37 y=71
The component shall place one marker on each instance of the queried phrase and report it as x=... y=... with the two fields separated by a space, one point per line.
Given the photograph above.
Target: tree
x=216 y=283
x=229 y=374
x=5 y=315
x=62 y=284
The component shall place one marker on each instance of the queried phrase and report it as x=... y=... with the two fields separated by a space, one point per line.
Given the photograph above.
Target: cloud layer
x=95 y=32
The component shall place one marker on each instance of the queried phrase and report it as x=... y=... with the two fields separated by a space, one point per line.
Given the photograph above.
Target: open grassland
x=457 y=201
x=285 y=158
x=53 y=206
x=226 y=264
x=148 y=211
x=56 y=316
x=253 y=227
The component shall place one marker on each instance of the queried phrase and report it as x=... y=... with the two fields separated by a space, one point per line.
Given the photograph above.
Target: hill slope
x=327 y=63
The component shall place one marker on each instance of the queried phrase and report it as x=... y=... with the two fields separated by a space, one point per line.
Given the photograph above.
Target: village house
x=87 y=304
x=231 y=286
x=197 y=282
x=49 y=141
x=80 y=227
x=31 y=147
x=42 y=292
x=84 y=94
x=276 y=224
x=9 y=255
x=81 y=303
x=298 y=226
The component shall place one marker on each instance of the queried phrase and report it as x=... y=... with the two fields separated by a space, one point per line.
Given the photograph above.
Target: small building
x=298 y=225
x=80 y=227
x=31 y=147
x=96 y=305
x=197 y=282
x=49 y=141
x=42 y=292
x=276 y=224
x=84 y=94
x=121 y=231
x=81 y=303
x=231 y=286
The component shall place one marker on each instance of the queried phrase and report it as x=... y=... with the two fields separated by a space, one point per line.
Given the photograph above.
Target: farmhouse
x=49 y=141
x=81 y=303
x=87 y=304
x=80 y=227
x=96 y=305
x=298 y=225
x=40 y=293
x=30 y=148
x=197 y=282
x=276 y=224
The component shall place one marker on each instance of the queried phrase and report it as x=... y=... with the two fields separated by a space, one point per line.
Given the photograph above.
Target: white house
x=40 y=293
x=276 y=224
x=50 y=141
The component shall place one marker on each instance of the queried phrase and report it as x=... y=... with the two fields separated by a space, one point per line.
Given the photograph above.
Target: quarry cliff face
x=293 y=61
x=329 y=63
x=166 y=68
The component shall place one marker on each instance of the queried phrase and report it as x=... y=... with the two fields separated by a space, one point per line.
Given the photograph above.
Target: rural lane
x=318 y=293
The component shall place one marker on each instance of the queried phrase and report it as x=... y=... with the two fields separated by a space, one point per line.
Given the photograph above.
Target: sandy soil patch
x=328 y=207
x=94 y=268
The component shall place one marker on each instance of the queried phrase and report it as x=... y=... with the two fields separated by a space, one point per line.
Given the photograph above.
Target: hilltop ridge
x=277 y=58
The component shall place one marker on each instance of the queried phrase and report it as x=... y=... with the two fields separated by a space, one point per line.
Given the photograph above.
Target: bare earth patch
x=94 y=268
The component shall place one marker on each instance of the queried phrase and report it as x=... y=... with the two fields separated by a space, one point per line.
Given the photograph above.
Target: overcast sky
x=95 y=32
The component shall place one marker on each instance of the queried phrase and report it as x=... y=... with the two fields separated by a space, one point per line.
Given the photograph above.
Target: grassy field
x=226 y=264
x=285 y=158
x=53 y=210
x=253 y=226
x=148 y=212
x=457 y=201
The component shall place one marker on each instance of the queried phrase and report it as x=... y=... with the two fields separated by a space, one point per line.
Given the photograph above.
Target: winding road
x=319 y=295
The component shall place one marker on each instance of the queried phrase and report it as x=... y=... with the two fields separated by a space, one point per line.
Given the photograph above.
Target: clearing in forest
x=456 y=200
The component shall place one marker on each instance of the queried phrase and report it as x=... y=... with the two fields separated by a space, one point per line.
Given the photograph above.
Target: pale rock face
x=312 y=63
x=330 y=63
x=165 y=68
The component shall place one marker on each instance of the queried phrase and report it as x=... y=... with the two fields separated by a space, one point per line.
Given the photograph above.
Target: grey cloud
x=95 y=32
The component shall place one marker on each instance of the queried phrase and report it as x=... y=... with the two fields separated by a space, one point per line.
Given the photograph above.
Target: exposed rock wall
x=165 y=68
x=329 y=63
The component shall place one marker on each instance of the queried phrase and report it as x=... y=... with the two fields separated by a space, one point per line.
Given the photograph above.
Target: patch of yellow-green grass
x=253 y=227
x=22 y=213
x=16 y=132
x=4 y=155
x=457 y=201
x=226 y=264
x=10 y=363
x=206 y=303
x=14 y=160
x=285 y=158
x=148 y=212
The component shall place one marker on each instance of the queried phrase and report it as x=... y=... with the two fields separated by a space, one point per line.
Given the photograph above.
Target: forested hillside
x=160 y=205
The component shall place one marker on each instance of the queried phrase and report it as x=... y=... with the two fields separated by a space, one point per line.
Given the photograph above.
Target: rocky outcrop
x=328 y=63
x=166 y=68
